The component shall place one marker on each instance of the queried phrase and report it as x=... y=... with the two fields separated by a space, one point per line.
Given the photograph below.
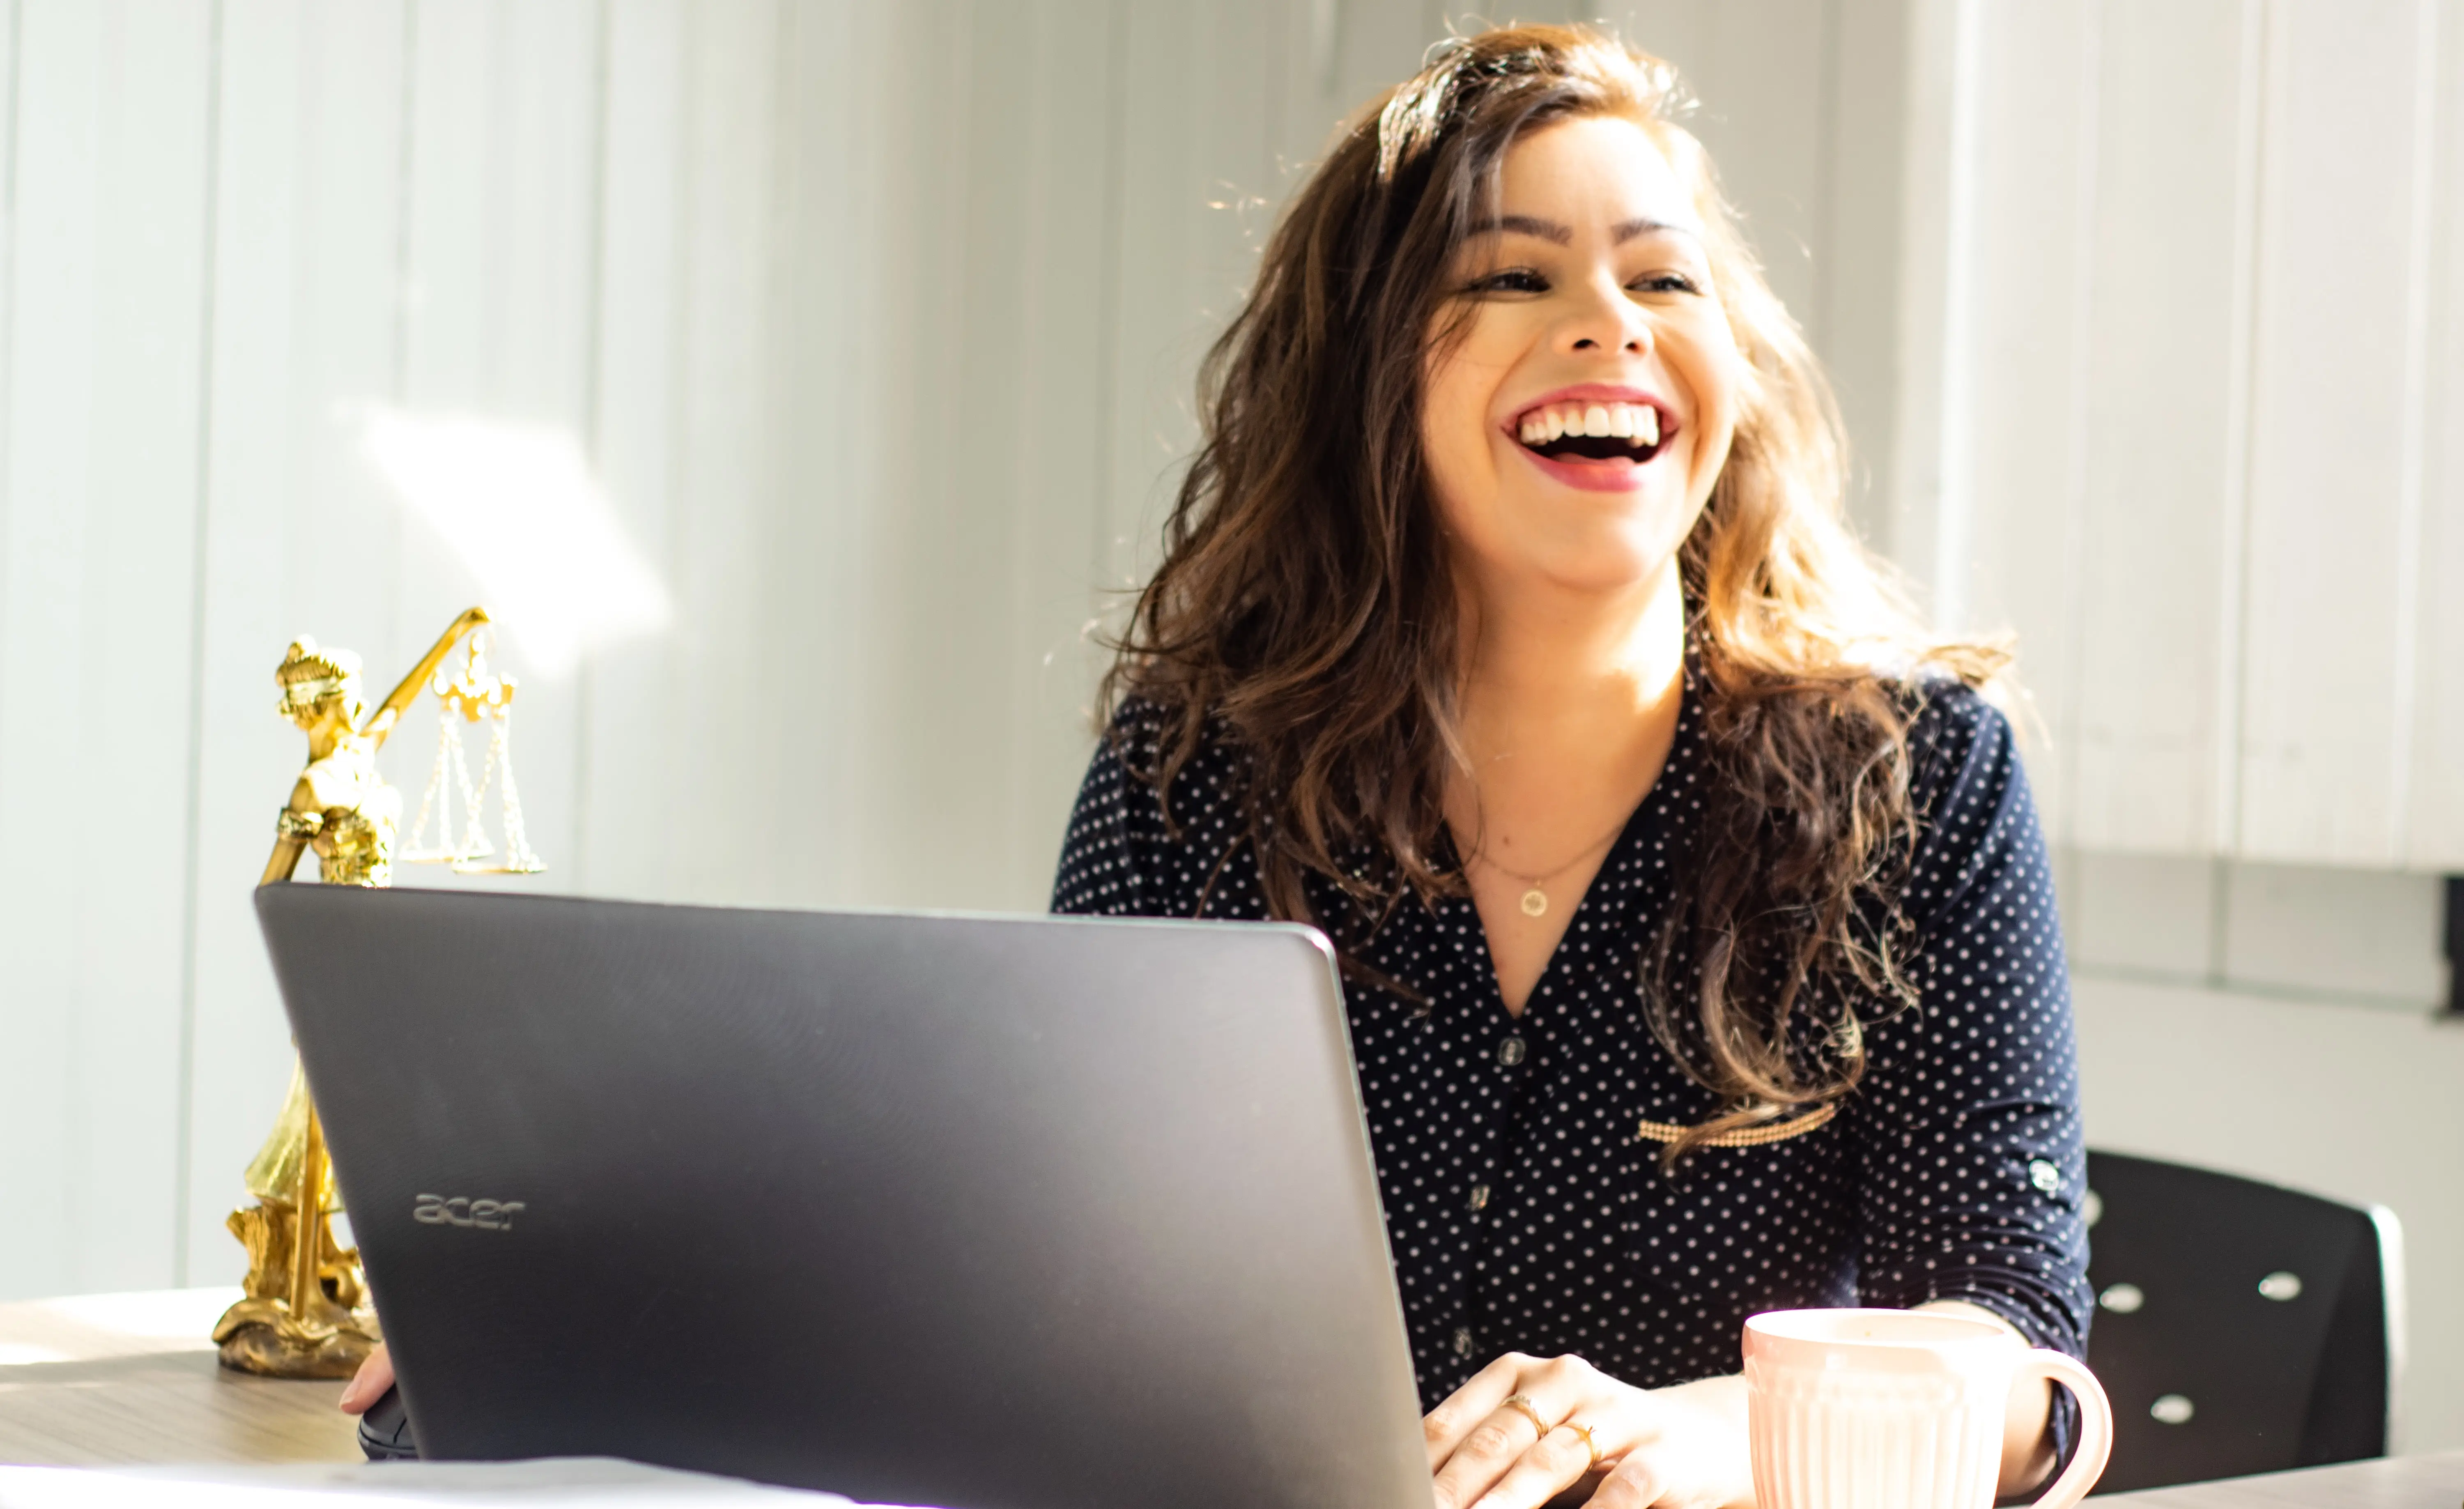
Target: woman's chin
x=1603 y=551
x=1608 y=569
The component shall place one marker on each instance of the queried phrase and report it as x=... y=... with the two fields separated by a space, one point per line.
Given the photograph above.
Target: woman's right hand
x=1676 y=1448
x=369 y=1383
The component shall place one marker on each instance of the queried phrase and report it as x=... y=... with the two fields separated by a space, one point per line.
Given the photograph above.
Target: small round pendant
x=1534 y=903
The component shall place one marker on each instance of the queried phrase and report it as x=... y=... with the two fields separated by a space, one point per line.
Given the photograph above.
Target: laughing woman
x=1700 y=949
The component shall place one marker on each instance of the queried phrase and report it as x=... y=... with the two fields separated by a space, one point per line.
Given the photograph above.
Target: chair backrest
x=2240 y=1327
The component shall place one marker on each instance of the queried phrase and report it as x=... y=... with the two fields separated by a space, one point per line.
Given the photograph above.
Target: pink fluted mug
x=1899 y=1410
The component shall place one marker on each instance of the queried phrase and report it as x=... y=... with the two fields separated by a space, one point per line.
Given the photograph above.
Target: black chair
x=2240 y=1327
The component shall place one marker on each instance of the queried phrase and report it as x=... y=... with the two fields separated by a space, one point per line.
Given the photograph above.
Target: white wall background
x=876 y=324
x=2185 y=411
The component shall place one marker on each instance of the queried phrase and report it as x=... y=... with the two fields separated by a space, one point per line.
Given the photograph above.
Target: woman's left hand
x=1511 y=1438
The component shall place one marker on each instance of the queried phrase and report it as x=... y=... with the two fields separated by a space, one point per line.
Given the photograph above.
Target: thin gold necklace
x=1535 y=899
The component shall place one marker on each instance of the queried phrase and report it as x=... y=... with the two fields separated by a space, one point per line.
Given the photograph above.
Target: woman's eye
x=1664 y=283
x=1513 y=280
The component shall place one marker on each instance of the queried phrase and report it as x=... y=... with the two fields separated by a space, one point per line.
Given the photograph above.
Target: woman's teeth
x=1638 y=424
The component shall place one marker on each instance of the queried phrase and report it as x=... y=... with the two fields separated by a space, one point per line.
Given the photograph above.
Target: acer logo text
x=488 y=1215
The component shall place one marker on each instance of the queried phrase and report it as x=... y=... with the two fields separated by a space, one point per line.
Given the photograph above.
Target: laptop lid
x=965 y=1211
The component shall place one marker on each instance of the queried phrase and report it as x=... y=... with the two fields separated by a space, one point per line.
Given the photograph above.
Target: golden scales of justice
x=306 y=1312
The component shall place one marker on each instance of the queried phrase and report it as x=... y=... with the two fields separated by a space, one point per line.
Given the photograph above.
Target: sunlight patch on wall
x=517 y=504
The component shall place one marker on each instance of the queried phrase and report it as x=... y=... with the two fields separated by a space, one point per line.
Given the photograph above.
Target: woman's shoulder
x=1153 y=742
x=1158 y=817
x=1954 y=731
x=1968 y=790
x=1956 y=736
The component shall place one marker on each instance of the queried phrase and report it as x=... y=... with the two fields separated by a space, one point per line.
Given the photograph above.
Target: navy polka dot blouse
x=1524 y=1209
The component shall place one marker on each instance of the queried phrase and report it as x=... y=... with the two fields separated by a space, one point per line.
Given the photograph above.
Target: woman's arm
x=2029 y=1448
x=1966 y=1124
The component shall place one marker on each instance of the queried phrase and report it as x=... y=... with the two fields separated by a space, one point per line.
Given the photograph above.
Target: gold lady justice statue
x=306 y=1311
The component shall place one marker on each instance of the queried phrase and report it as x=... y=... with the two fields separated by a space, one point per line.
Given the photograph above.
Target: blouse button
x=1509 y=1052
x=2044 y=1175
x=1480 y=1197
x=1463 y=1341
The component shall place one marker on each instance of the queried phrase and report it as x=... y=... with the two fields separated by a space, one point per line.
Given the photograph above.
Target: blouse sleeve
x=1968 y=1120
x=1098 y=874
x=1122 y=858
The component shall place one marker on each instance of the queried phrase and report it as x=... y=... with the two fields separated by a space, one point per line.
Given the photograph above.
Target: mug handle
x=2096 y=1425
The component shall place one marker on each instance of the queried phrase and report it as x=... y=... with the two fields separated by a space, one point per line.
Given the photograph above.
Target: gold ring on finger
x=1588 y=1440
x=1531 y=1411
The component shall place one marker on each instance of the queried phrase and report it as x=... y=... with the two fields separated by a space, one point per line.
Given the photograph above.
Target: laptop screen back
x=972 y=1211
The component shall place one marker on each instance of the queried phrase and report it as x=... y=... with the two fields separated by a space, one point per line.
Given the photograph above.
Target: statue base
x=259 y=1335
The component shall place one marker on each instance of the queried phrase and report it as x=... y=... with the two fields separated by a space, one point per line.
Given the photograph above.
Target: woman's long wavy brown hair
x=1305 y=610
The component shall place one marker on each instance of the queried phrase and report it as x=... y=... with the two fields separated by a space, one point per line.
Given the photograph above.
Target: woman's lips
x=1617 y=476
x=1595 y=436
x=1607 y=475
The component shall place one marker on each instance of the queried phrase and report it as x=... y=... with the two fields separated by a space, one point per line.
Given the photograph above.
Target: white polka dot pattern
x=1523 y=1211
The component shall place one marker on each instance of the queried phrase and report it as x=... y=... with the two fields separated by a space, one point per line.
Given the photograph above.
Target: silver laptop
x=976 y=1212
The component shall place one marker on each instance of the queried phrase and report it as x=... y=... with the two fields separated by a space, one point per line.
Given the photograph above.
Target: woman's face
x=1574 y=431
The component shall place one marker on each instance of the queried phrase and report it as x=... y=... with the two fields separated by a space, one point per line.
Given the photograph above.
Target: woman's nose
x=1608 y=322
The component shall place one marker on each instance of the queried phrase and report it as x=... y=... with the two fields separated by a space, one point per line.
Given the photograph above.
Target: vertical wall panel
x=1854 y=318
x=2335 y=445
x=300 y=537
x=1941 y=107
x=846 y=459
x=957 y=439
x=886 y=403
x=625 y=798
x=2213 y=508
x=241 y=1058
x=456 y=186
x=50 y=302
x=2433 y=825
x=108 y=259
x=1205 y=162
x=140 y=611
x=2164 y=426
x=1068 y=231
x=2012 y=501
x=497 y=305
x=724 y=433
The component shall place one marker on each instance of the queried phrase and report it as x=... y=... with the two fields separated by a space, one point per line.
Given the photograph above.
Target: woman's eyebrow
x=1626 y=231
x=1550 y=230
x=1524 y=225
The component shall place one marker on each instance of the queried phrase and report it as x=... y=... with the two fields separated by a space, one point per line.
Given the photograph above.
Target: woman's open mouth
x=1591 y=444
